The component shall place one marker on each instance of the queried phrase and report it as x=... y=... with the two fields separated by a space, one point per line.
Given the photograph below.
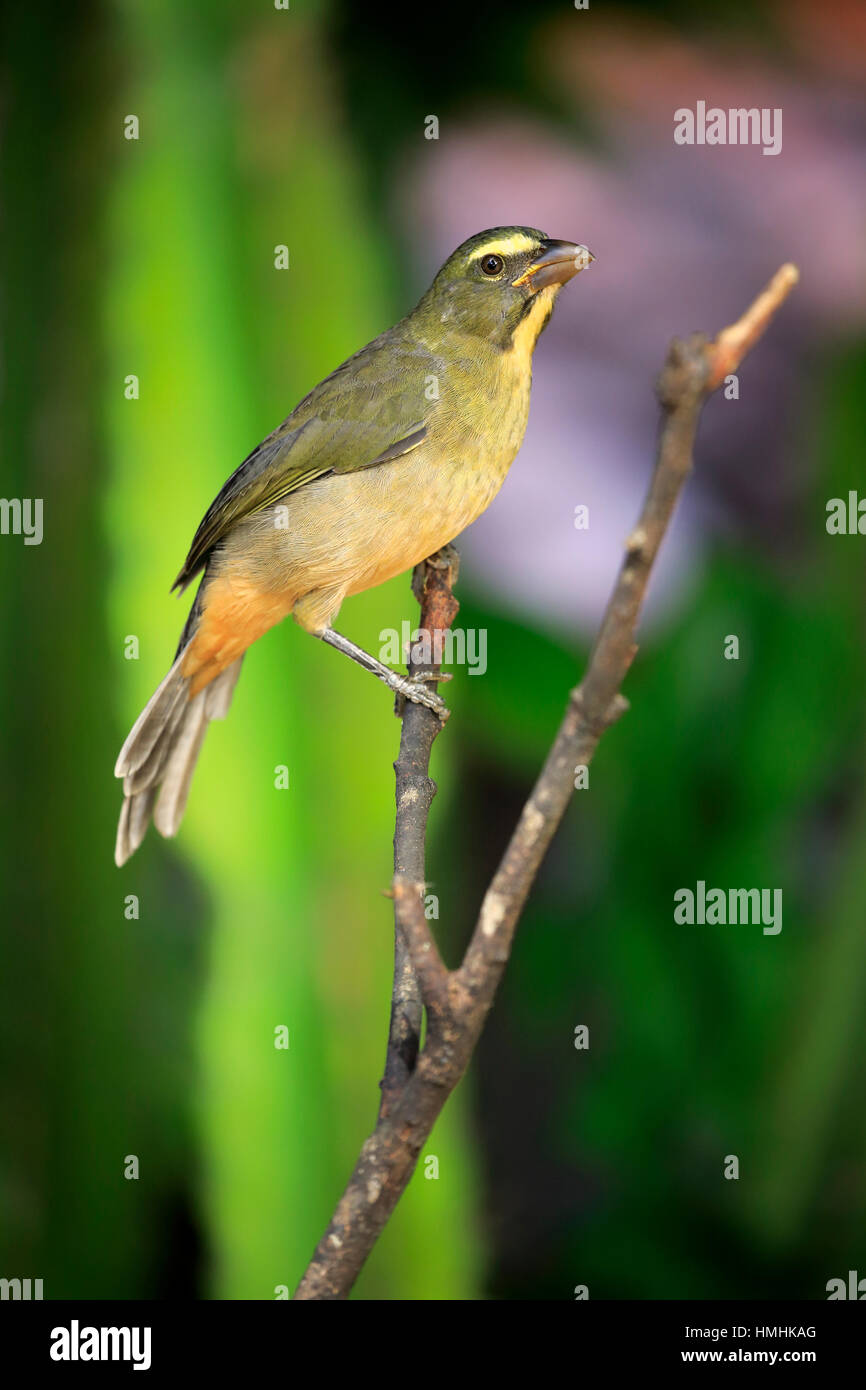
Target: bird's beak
x=556 y=264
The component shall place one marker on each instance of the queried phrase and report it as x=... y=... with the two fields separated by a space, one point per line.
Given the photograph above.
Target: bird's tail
x=159 y=756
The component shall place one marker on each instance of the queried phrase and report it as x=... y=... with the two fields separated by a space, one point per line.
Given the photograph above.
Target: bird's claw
x=414 y=689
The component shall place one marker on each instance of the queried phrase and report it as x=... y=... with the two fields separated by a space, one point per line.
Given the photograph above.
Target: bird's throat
x=533 y=320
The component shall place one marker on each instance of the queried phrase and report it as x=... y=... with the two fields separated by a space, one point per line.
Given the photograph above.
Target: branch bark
x=457 y=1002
x=432 y=584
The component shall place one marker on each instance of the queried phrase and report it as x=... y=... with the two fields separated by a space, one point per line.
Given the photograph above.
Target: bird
x=383 y=463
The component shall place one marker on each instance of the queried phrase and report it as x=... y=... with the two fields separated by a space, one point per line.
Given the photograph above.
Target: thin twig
x=432 y=583
x=739 y=338
x=458 y=1001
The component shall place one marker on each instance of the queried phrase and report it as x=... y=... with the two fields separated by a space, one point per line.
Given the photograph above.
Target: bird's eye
x=492 y=265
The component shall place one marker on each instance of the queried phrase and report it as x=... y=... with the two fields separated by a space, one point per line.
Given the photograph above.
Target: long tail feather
x=178 y=770
x=158 y=758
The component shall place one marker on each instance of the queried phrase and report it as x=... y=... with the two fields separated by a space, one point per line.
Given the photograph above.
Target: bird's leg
x=414 y=690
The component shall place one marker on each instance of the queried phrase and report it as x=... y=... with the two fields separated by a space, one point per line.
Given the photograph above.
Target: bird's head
x=501 y=285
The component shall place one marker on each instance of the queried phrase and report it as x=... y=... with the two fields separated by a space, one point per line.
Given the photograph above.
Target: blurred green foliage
x=705 y=1040
x=156 y=1036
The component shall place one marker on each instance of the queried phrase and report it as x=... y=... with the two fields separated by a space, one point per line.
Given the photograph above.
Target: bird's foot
x=414 y=688
x=406 y=687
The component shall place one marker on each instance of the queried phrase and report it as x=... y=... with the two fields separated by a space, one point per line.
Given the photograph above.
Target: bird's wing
x=370 y=411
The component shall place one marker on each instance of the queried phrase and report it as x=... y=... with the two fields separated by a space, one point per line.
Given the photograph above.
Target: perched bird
x=384 y=462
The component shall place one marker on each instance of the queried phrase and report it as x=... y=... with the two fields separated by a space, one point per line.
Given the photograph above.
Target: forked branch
x=417 y=1084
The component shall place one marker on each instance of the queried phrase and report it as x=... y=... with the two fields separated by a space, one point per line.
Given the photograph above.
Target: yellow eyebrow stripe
x=507 y=246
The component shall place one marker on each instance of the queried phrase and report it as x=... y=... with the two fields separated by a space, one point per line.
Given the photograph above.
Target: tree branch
x=432 y=582
x=458 y=1001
